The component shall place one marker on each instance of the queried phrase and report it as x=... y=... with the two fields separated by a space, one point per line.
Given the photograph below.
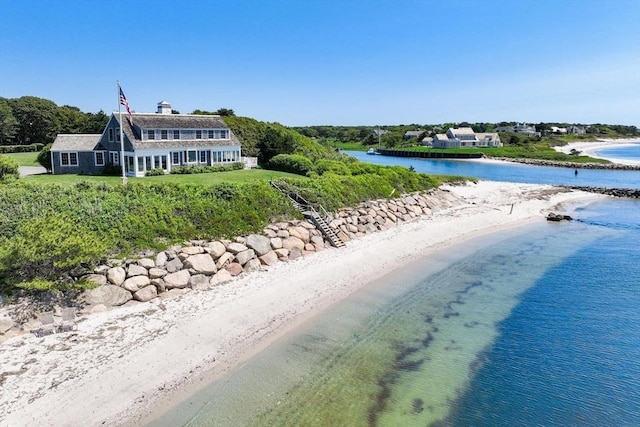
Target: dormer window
x=198 y=134
x=164 y=134
x=151 y=134
x=176 y=134
x=211 y=134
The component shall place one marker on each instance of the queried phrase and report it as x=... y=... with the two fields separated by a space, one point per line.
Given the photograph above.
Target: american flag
x=123 y=101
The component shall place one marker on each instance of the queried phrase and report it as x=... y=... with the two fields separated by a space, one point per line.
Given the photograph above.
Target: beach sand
x=590 y=148
x=119 y=365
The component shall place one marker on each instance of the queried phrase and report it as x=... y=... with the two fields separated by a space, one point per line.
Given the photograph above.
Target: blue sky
x=348 y=62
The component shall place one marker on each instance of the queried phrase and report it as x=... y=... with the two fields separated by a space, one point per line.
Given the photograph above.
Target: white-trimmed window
x=219 y=134
x=198 y=134
x=164 y=134
x=114 y=157
x=110 y=134
x=175 y=158
x=176 y=134
x=69 y=159
x=140 y=164
x=99 y=158
x=151 y=134
x=203 y=156
x=118 y=134
x=191 y=156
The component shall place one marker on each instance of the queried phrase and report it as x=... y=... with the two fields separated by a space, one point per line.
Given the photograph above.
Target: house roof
x=413 y=132
x=463 y=131
x=175 y=121
x=76 y=142
x=492 y=135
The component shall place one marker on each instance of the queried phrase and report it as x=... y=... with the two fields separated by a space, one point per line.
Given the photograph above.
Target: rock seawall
x=203 y=264
x=571 y=165
x=617 y=192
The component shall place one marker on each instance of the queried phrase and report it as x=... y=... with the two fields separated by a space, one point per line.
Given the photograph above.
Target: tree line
x=29 y=119
x=393 y=135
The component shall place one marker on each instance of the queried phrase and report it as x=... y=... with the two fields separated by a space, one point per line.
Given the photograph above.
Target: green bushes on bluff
x=47 y=229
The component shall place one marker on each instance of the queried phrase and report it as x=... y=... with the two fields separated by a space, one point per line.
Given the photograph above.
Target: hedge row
x=31 y=148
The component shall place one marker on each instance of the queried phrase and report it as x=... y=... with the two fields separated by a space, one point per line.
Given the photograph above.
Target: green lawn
x=201 y=178
x=24 y=159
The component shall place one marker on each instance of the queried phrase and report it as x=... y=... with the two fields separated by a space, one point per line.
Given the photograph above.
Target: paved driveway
x=31 y=170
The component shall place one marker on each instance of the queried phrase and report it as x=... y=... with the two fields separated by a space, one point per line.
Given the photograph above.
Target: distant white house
x=522 y=128
x=465 y=137
x=379 y=132
x=558 y=130
x=413 y=134
x=576 y=130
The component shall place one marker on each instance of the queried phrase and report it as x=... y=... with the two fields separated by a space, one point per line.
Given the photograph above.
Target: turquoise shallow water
x=539 y=327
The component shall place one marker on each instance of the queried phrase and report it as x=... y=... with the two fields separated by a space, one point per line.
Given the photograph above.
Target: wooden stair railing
x=309 y=212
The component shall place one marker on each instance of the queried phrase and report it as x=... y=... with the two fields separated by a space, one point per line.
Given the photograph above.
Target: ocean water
x=537 y=327
x=625 y=152
x=511 y=172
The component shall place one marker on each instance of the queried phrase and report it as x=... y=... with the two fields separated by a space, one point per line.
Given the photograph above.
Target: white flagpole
x=122 y=165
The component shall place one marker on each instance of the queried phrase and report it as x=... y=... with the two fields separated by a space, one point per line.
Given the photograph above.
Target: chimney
x=164 y=108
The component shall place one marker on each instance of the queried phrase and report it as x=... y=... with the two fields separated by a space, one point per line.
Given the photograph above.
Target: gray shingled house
x=151 y=140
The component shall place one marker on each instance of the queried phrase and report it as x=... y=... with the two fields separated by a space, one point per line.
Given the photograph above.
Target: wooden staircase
x=309 y=212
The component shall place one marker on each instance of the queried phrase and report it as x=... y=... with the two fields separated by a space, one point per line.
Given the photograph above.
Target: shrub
x=207 y=169
x=8 y=168
x=335 y=166
x=45 y=246
x=44 y=157
x=112 y=170
x=154 y=172
x=293 y=163
x=30 y=148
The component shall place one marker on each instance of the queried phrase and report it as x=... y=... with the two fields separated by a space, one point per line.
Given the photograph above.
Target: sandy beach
x=590 y=148
x=116 y=367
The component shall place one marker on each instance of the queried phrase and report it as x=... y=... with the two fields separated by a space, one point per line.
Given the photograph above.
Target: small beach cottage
x=159 y=140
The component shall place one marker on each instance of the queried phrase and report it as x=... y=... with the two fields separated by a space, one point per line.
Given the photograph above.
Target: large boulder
x=192 y=250
x=244 y=256
x=136 y=270
x=270 y=258
x=252 y=265
x=156 y=272
x=260 y=244
x=146 y=263
x=224 y=260
x=234 y=269
x=215 y=249
x=235 y=247
x=145 y=294
x=299 y=232
x=96 y=279
x=201 y=263
x=199 y=281
x=179 y=279
x=173 y=265
x=220 y=277
x=161 y=259
x=293 y=242
x=295 y=253
x=116 y=275
x=109 y=295
x=135 y=283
